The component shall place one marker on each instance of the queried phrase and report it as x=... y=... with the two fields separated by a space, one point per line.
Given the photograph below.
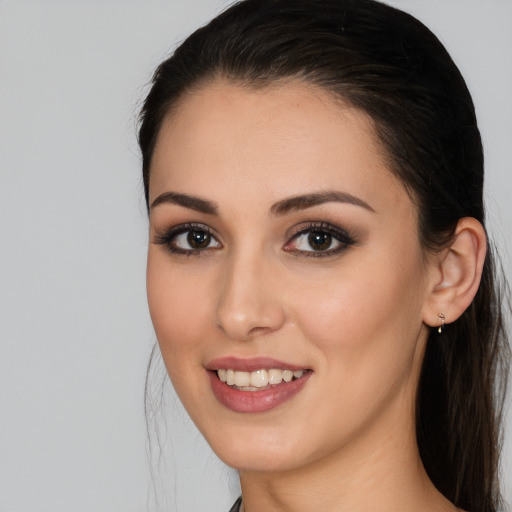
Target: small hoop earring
x=441 y=317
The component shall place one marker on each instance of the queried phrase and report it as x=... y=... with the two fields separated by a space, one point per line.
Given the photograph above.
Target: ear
x=455 y=273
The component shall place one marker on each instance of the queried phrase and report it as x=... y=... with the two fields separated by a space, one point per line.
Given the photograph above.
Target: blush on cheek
x=179 y=313
x=337 y=315
x=176 y=321
x=357 y=312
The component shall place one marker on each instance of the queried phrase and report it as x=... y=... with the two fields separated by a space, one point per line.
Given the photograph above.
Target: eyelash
x=169 y=237
x=344 y=239
x=340 y=235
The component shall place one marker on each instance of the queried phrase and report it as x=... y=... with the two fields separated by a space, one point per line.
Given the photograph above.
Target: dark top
x=236 y=506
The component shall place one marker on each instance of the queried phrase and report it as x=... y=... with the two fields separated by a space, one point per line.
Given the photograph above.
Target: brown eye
x=199 y=239
x=319 y=240
x=316 y=240
x=189 y=239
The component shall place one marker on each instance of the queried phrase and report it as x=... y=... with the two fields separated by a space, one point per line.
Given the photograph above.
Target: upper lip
x=251 y=364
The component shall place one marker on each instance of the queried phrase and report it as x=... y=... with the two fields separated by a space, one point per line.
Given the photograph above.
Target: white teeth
x=242 y=379
x=275 y=376
x=257 y=379
x=287 y=375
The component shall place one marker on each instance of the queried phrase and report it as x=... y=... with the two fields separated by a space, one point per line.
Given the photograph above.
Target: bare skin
x=353 y=312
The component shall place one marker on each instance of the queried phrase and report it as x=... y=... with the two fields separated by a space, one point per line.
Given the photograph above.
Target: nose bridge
x=248 y=303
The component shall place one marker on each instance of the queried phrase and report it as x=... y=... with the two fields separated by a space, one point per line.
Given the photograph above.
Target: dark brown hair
x=389 y=65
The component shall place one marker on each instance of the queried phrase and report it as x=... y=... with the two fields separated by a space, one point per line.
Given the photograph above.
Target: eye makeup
x=319 y=239
x=188 y=239
x=312 y=239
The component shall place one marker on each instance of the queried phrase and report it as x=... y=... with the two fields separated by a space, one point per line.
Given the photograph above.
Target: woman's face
x=281 y=243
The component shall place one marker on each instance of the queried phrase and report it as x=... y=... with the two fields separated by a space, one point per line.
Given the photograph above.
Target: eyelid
x=344 y=238
x=167 y=236
x=306 y=227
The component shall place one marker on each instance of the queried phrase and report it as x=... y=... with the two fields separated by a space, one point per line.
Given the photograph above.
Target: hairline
x=301 y=80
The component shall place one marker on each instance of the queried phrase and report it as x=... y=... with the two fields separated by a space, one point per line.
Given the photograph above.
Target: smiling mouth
x=258 y=380
x=255 y=385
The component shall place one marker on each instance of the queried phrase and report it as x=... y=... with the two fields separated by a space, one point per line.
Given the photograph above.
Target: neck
x=369 y=473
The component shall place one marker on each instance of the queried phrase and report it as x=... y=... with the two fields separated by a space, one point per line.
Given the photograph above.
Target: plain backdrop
x=76 y=333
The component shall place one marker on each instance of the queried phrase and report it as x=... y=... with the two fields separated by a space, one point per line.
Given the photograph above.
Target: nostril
x=259 y=331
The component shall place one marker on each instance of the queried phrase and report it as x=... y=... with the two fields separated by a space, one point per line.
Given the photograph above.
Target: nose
x=250 y=300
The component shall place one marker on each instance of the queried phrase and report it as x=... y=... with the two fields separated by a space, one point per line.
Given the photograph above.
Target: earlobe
x=456 y=274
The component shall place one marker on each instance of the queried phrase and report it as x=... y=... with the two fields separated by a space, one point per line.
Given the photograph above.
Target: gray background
x=76 y=334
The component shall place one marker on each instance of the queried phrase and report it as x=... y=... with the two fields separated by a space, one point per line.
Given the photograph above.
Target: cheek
x=365 y=328
x=178 y=307
x=370 y=309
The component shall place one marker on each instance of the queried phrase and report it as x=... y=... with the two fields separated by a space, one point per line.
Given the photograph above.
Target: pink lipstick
x=256 y=384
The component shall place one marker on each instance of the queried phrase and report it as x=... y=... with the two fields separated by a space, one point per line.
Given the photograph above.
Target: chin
x=267 y=461
x=253 y=451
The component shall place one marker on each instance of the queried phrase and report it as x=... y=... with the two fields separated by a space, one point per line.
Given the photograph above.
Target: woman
x=319 y=276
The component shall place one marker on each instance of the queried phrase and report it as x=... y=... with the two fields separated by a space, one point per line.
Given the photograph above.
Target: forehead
x=228 y=140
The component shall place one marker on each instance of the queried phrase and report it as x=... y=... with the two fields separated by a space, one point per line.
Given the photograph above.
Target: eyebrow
x=280 y=208
x=187 y=201
x=305 y=201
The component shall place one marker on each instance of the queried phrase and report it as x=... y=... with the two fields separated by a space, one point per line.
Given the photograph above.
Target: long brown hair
x=388 y=64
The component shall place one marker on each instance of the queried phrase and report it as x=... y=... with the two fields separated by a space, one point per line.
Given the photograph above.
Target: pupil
x=319 y=240
x=198 y=239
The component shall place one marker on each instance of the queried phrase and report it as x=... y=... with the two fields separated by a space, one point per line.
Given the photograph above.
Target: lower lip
x=255 y=401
